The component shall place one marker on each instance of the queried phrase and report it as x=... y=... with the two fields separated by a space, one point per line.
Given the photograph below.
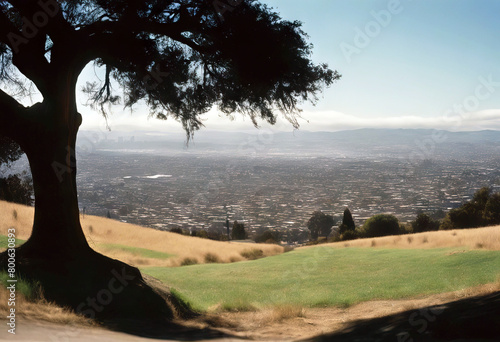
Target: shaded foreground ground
x=444 y=317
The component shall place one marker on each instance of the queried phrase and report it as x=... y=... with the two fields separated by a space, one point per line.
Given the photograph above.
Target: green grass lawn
x=324 y=276
x=143 y=252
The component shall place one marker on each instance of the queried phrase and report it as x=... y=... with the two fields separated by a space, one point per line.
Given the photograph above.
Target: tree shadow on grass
x=112 y=293
x=470 y=319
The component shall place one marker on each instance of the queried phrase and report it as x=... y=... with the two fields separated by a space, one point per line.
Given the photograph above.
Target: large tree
x=179 y=57
x=320 y=223
x=347 y=222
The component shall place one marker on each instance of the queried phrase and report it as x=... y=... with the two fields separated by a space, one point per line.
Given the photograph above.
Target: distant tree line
x=483 y=210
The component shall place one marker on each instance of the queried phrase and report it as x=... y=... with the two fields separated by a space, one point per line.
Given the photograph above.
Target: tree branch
x=28 y=54
x=11 y=117
x=102 y=36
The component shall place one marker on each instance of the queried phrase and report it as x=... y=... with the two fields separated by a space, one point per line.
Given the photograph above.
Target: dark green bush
x=381 y=225
x=349 y=235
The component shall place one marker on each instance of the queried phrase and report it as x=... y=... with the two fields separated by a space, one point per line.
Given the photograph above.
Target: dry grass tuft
x=189 y=261
x=100 y=231
x=42 y=310
x=252 y=254
x=283 y=312
x=235 y=259
x=211 y=258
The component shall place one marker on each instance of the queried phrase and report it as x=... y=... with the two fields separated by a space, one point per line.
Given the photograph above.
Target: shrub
x=202 y=234
x=424 y=223
x=14 y=214
x=349 y=235
x=211 y=258
x=267 y=237
x=252 y=254
x=189 y=261
x=177 y=230
x=381 y=225
x=238 y=232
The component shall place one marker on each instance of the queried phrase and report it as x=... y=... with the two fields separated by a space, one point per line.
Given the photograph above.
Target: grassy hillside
x=325 y=276
x=134 y=244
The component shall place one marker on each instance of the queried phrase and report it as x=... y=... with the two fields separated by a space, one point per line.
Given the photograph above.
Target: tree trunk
x=56 y=228
x=57 y=255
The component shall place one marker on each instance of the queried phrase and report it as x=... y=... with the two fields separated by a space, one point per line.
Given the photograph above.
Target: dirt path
x=285 y=324
x=43 y=332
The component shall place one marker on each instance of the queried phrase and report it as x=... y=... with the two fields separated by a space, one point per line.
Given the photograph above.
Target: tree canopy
x=347 y=222
x=482 y=210
x=179 y=57
x=9 y=151
x=238 y=232
x=320 y=223
x=381 y=225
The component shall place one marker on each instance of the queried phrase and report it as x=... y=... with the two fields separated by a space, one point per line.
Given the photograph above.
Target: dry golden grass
x=100 y=231
x=41 y=310
x=477 y=238
x=283 y=312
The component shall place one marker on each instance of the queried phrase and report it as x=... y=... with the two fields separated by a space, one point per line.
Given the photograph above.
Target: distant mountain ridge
x=357 y=142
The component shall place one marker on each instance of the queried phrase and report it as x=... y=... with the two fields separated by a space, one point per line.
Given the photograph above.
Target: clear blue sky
x=404 y=64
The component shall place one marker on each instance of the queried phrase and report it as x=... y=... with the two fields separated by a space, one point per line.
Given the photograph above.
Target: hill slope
x=133 y=244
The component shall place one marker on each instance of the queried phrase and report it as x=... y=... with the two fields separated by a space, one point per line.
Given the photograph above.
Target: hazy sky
x=404 y=64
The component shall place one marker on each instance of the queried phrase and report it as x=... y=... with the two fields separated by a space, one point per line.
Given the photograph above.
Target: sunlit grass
x=4 y=242
x=325 y=276
x=143 y=252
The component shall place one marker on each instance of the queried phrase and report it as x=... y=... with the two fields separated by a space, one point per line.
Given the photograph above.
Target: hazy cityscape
x=275 y=184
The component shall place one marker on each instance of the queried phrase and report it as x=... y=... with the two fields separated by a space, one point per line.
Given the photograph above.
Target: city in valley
x=274 y=181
